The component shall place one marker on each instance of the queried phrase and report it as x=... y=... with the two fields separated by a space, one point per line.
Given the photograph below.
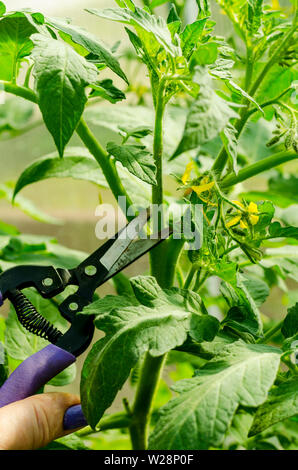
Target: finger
x=35 y=421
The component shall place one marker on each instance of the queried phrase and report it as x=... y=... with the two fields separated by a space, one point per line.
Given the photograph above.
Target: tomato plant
x=211 y=113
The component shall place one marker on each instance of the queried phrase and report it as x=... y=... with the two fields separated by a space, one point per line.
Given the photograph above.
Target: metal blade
x=135 y=251
x=124 y=240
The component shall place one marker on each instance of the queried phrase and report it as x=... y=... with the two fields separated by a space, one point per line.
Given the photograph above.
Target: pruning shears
x=117 y=253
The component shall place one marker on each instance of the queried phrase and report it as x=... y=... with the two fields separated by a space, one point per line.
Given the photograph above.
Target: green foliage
x=77 y=163
x=136 y=159
x=208 y=116
x=281 y=404
x=200 y=416
x=201 y=113
x=61 y=77
x=157 y=324
x=15 y=45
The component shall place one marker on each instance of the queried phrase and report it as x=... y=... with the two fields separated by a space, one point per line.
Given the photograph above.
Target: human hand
x=35 y=421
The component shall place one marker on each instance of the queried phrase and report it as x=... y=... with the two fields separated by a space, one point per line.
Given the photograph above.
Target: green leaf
x=15 y=114
x=204 y=8
x=157 y=325
x=173 y=16
x=136 y=159
x=282 y=403
x=7 y=229
x=137 y=133
x=257 y=288
x=91 y=43
x=15 y=44
x=285 y=187
x=201 y=415
x=282 y=191
x=243 y=314
x=203 y=327
x=191 y=35
x=77 y=163
x=285 y=258
x=61 y=76
x=208 y=116
x=139 y=18
x=277 y=231
x=105 y=89
x=290 y=324
x=115 y=118
x=205 y=54
x=254 y=15
x=2 y=8
x=229 y=139
x=71 y=442
x=109 y=303
x=25 y=205
x=20 y=344
x=157 y=3
x=126 y=4
x=40 y=250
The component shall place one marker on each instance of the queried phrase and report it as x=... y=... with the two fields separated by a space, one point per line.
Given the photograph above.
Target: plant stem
x=222 y=157
x=258 y=167
x=190 y=276
x=143 y=405
x=21 y=91
x=115 y=421
x=270 y=333
x=174 y=249
x=152 y=366
x=273 y=58
x=157 y=254
x=102 y=158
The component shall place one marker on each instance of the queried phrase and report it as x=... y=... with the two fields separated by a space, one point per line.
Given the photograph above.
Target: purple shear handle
x=35 y=372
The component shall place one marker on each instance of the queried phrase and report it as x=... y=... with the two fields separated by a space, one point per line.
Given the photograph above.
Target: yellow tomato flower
x=275 y=5
x=249 y=213
x=186 y=177
x=204 y=187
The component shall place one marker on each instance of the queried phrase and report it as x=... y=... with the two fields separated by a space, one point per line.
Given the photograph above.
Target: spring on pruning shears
x=31 y=319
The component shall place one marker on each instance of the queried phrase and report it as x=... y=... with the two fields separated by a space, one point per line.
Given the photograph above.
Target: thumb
x=35 y=421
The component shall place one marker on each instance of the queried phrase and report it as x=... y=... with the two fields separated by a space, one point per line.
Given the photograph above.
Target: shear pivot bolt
x=73 y=306
x=47 y=282
x=90 y=270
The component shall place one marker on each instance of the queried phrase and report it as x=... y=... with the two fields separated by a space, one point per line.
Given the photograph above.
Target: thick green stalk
x=157 y=255
x=258 y=167
x=143 y=405
x=21 y=91
x=152 y=366
x=104 y=161
x=174 y=248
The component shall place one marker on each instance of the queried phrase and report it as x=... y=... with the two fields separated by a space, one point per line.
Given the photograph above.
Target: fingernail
x=74 y=418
